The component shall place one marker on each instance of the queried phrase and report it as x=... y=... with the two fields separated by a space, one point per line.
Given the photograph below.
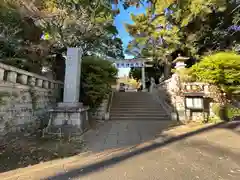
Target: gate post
x=143 y=76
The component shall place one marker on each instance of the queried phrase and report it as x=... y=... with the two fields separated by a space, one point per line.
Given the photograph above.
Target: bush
x=216 y=108
x=185 y=75
x=222 y=69
x=229 y=110
x=232 y=112
x=97 y=76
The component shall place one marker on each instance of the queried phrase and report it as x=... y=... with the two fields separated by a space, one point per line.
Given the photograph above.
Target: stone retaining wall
x=24 y=97
x=171 y=91
x=99 y=114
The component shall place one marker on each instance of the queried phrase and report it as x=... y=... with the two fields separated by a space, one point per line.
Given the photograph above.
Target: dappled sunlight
x=127 y=89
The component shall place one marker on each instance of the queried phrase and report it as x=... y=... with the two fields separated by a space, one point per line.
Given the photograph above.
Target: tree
x=195 y=27
x=221 y=69
x=20 y=37
x=96 y=79
x=155 y=71
x=78 y=23
x=64 y=23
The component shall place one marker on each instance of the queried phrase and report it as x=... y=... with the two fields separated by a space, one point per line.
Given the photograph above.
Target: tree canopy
x=194 y=26
x=97 y=77
x=35 y=31
x=221 y=69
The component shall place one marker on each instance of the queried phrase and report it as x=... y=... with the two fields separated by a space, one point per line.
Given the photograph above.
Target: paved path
x=212 y=153
x=121 y=134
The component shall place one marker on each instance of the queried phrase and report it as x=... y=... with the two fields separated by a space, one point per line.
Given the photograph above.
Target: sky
x=120 y=20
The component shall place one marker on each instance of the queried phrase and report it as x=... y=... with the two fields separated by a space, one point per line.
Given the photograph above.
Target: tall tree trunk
x=167 y=67
x=59 y=67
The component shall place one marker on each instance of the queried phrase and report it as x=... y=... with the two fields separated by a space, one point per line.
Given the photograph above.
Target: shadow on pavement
x=85 y=170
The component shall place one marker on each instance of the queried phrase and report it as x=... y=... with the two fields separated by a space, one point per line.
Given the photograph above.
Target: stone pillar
x=39 y=82
x=51 y=85
x=71 y=111
x=12 y=76
x=143 y=76
x=23 y=79
x=31 y=81
x=72 y=76
x=1 y=74
x=46 y=84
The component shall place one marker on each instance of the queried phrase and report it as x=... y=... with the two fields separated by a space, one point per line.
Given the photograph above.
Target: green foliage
x=222 y=69
x=214 y=120
x=232 y=112
x=216 y=107
x=67 y=23
x=135 y=73
x=96 y=79
x=193 y=26
x=185 y=75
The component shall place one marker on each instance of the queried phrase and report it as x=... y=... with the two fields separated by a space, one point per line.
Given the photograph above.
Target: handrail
x=109 y=104
x=110 y=101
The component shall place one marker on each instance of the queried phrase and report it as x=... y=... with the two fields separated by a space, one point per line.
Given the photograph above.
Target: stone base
x=73 y=114
x=68 y=105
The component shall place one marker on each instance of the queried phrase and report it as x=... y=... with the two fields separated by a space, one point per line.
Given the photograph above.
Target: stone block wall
x=24 y=97
x=172 y=92
x=99 y=114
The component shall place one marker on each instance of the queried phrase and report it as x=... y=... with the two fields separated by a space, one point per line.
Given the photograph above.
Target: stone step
x=139 y=106
x=140 y=118
x=130 y=100
x=137 y=112
x=134 y=96
x=133 y=101
x=136 y=103
x=136 y=109
x=136 y=106
x=138 y=115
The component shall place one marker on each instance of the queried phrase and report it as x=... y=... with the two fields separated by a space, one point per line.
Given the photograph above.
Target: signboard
x=129 y=64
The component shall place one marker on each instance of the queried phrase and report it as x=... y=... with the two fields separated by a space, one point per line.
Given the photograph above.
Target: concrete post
x=72 y=75
x=143 y=77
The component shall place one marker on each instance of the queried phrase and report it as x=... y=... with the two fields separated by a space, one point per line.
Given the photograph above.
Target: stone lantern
x=180 y=62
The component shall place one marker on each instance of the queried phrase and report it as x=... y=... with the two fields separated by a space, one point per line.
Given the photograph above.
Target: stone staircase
x=136 y=106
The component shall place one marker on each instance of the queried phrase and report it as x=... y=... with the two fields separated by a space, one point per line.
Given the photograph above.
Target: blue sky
x=120 y=20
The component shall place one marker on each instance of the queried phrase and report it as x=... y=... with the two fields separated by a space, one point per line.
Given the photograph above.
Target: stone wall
x=24 y=97
x=100 y=112
x=171 y=91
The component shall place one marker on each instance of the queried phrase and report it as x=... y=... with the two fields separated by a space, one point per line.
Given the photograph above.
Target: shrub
x=222 y=69
x=185 y=75
x=216 y=108
x=97 y=76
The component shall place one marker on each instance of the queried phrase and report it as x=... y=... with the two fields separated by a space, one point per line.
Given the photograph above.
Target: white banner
x=129 y=64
